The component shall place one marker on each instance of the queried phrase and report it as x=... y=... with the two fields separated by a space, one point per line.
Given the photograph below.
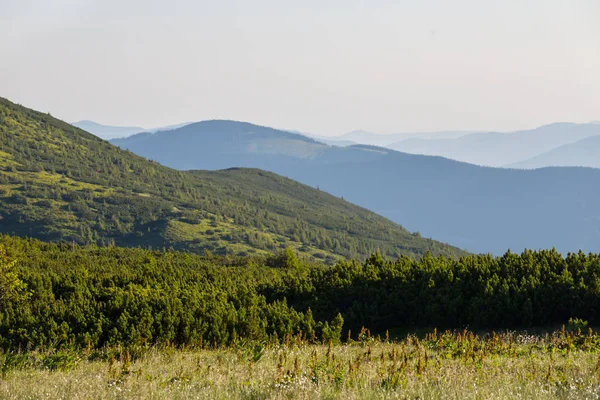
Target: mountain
x=111 y=132
x=584 y=153
x=335 y=142
x=106 y=131
x=169 y=127
x=223 y=144
x=497 y=149
x=477 y=208
x=378 y=139
x=60 y=183
x=322 y=139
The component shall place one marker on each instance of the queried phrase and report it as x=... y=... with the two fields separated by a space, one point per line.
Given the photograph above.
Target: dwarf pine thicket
x=92 y=297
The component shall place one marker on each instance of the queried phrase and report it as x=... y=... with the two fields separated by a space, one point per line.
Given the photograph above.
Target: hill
x=107 y=131
x=219 y=142
x=477 y=208
x=60 y=183
x=378 y=139
x=114 y=132
x=497 y=149
x=584 y=153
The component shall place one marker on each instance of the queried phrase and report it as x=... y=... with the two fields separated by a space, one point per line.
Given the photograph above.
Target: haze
x=324 y=67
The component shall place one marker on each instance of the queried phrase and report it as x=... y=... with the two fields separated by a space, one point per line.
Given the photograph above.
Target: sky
x=318 y=66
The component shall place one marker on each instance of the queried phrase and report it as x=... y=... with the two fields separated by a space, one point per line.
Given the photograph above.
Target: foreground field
x=561 y=365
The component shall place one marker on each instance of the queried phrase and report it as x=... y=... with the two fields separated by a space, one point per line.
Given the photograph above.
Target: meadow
x=451 y=365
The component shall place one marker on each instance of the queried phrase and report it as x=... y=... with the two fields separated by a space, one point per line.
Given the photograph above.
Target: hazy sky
x=320 y=66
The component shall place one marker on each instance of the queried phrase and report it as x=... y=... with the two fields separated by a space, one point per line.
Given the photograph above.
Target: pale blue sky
x=325 y=67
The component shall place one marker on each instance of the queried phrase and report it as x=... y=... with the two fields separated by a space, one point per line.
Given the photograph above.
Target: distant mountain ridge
x=383 y=140
x=114 y=132
x=583 y=153
x=107 y=131
x=241 y=142
x=477 y=208
x=498 y=149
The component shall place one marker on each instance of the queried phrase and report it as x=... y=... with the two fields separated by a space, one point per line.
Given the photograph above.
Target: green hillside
x=60 y=183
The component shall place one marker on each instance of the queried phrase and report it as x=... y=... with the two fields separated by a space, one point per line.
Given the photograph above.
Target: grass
x=560 y=365
x=208 y=233
x=47 y=178
x=6 y=160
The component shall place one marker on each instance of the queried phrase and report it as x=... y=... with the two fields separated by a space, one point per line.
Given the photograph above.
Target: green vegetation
x=83 y=318
x=59 y=183
x=110 y=322
x=91 y=297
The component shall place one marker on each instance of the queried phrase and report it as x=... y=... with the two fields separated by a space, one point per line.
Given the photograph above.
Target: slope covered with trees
x=60 y=183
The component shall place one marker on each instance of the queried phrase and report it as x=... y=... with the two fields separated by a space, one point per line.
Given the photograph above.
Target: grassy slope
x=58 y=182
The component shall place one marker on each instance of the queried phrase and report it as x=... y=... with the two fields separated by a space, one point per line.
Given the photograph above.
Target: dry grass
x=456 y=366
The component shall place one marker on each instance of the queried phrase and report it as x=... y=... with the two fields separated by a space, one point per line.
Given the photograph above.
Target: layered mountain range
x=553 y=145
x=543 y=145
x=478 y=208
x=583 y=153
